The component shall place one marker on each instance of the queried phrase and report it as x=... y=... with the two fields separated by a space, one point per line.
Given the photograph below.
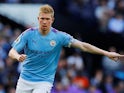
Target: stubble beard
x=44 y=30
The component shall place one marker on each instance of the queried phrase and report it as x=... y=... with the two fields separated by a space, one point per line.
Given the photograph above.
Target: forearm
x=92 y=49
x=14 y=54
x=95 y=50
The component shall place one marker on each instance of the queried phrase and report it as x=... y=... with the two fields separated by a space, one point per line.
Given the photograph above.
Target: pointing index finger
x=120 y=55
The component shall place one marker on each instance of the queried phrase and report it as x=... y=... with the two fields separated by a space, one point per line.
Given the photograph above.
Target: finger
x=116 y=59
x=22 y=58
x=24 y=55
x=120 y=55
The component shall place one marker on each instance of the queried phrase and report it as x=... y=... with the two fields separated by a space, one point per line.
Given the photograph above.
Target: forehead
x=45 y=15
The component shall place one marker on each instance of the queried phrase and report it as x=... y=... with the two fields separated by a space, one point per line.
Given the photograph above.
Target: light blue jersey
x=42 y=53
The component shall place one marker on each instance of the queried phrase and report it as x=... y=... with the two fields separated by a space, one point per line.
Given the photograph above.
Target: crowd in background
x=77 y=72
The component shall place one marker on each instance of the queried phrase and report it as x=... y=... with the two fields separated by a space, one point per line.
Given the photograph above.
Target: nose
x=44 y=21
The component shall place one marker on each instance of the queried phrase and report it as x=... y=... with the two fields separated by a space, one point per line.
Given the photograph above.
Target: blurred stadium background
x=98 y=22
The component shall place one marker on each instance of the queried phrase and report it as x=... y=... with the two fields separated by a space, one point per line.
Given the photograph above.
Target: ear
x=53 y=19
x=38 y=17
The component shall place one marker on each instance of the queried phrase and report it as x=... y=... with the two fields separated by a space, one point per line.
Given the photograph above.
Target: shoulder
x=29 y=30
x=58 y=32
x=55 y=31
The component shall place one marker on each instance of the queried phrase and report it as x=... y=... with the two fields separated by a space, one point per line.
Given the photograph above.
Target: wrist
x=17 y=57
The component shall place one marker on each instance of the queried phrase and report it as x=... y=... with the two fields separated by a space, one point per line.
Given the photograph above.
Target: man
x=42 y=46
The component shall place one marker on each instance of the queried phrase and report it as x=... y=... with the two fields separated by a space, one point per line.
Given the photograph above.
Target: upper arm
x=66 y=39
x=20 y=42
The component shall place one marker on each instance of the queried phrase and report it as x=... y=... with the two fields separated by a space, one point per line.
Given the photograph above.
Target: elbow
x=10 y=54
x=85 y=47
x=85 y=50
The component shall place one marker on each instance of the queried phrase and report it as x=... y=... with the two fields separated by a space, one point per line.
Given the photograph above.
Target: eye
x=42 y=18
x=47 y=18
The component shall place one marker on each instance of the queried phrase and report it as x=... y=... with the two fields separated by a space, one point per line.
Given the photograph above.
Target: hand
x=21 y=57
x=114 y=56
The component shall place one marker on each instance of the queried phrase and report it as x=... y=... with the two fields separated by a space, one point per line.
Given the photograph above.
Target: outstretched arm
x=95 y=50
x=15 y=55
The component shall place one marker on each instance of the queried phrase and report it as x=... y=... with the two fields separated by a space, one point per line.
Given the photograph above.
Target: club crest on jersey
x=52 y=42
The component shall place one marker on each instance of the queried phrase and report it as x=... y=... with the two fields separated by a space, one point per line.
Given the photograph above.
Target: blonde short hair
x=47 y=9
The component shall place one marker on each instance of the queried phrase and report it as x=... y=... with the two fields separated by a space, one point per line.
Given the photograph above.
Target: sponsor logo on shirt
x=41 y=53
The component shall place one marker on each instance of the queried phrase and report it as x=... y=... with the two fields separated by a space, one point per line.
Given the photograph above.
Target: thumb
x=24 y=55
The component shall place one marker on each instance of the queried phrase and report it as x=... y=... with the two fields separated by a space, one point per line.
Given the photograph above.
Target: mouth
x=44 y=26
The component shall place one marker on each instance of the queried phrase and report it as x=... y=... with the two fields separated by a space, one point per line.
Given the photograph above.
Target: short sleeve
x=67 y=39
x=20 y=42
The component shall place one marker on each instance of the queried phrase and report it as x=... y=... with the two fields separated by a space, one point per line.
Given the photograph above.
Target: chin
x=44 y=29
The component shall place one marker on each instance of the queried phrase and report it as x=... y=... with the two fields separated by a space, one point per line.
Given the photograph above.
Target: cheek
x=40 y=21
x=50 y=22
